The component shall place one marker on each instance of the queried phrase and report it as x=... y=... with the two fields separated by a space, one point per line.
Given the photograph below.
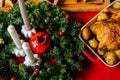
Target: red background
x=95 y=71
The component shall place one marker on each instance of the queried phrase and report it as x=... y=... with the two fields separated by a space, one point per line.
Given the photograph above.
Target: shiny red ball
x=53 y=60
x=72 y=55
x=40 y=42
x=67 y=16
x=36 y=72
x=61 y=33
x=13 y=78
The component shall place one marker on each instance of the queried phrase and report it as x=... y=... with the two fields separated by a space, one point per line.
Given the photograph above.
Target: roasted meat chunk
x=108 y=34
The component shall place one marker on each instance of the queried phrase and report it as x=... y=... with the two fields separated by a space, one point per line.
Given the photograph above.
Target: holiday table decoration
x=1 y=42
x=28 y=30
x=18 y=51
x=59 y=59
x=30 y=59
x=40 y=42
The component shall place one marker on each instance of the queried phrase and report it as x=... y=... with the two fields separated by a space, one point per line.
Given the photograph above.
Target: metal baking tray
x=93 y=20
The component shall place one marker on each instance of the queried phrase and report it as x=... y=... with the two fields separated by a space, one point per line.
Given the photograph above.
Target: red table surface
x=95 y=71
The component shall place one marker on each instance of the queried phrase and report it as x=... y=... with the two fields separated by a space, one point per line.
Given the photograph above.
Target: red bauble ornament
x=13 y=78
x=61 y=33
x=53 y=60
x=36 y=72
x=67 y=16
x=40 y=42
x=72 y=55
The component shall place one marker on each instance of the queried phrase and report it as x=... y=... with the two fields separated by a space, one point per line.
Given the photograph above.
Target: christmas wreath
x=58 y=60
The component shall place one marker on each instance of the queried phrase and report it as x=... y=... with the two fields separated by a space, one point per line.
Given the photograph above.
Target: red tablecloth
x=95 y=71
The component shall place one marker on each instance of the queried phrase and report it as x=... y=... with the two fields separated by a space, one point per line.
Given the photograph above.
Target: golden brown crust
x=111 y=58
x=107 y=33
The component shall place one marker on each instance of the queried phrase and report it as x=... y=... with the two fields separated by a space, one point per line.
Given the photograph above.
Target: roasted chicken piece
x=107 y=33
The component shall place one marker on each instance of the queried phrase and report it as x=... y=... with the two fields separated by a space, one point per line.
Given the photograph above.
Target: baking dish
x=94 y=51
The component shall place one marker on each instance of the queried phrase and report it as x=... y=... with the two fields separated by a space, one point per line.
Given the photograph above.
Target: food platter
x=91 y=46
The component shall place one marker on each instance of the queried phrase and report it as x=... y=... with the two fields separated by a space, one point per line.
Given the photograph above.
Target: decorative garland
x=64 y=54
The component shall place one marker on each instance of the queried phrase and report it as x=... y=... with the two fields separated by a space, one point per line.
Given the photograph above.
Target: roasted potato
x=102 y=16
x=86 y=33
x=118 y=53
x=101 y=51
x=116 y=5
x=93 y=43
x=111 y=58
